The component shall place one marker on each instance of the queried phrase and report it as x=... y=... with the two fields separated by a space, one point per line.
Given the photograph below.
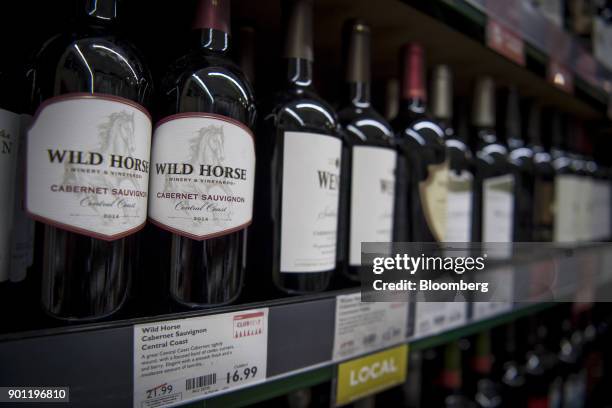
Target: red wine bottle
x=520 y=156
x=544 y=176
x=203 y=164
x=88 y=162
x=421 y=140
x=298 y=171
x=565 y=184
x=493 y=219
x=367 y=191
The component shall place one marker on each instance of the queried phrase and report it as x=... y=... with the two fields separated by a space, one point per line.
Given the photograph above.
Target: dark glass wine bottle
x=544 y=176
x=203 y=164
x=298 y=171
x=520 y=156
x=451 y=391
x=421 y=140
x=566 y=184
x=461 y=172
x=367 y=191
x=87 y=162
x=485 y=386
x=493 y=219
x=508 y=367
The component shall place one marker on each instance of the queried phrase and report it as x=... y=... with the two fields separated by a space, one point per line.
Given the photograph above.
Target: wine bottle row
x=284 y=185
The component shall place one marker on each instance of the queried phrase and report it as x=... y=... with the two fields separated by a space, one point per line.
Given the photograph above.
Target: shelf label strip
x=362 y=328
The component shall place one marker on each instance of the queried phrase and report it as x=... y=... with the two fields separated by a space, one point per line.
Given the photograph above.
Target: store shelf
x=453 y=32
x=299 y=345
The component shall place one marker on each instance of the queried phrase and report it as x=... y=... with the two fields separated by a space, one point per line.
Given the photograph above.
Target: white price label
x=501 y=288
x=365 y=327
x=183 y=360
x=434 y=317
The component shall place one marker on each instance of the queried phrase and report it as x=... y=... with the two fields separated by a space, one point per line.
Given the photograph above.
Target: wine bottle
x=421 y=141
x=493 y=219
x=584 y=173
x=520 y=156
x=299 y=160
x=368 y=188
x=487 y=389
x=565 y=186
x=544 y=175
x=10 y=145
x=543 y=385
x=461 y=172
x=508 y=367
x=203 y=164
x=451 y=379
x=88 y=162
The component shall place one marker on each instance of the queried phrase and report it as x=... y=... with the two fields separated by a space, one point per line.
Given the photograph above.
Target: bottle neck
x=414 y=105
x=211 y=40
x=99 y=12
x=358 y=94
x=299 y=72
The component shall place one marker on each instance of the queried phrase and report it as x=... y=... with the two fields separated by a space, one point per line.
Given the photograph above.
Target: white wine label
x=88 y=165
x=178 y=361
x=566 y=208
x=202 y=175
x=585 y=208
x=459 y=207
x=366 y=327
x=434 y=196
x=9 y=146
x=311 y=181
x=22 y=251
x=498 y=209
x=600 y=215
x=372 y=198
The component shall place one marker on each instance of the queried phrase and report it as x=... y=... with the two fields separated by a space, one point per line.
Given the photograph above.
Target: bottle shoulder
x=365 y=126
x=201 y=82
x=91 y=61
x=301 y=110
x=416 y=131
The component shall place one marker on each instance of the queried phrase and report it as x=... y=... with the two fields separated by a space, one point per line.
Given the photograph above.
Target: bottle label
x=498 y=209
x=88 y=165
x=311 y=182
x=585 y=203
x=459 y=207
x=9 y=145
x=543 y=203
x=566 y=208
x=22 y=251
x=202 y=175
x=372 y=197
x=434 y=196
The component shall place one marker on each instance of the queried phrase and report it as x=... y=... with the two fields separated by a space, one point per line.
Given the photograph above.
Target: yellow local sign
x=367 y=375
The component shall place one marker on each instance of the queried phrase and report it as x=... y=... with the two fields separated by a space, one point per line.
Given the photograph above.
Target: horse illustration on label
x=209 y=182
x=112 y=189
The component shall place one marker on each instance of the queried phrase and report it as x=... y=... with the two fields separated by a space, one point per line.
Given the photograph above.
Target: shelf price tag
x=366 y=327
x=183 y=360
x=505 y=42
x=560 y=76
x=370 y=374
